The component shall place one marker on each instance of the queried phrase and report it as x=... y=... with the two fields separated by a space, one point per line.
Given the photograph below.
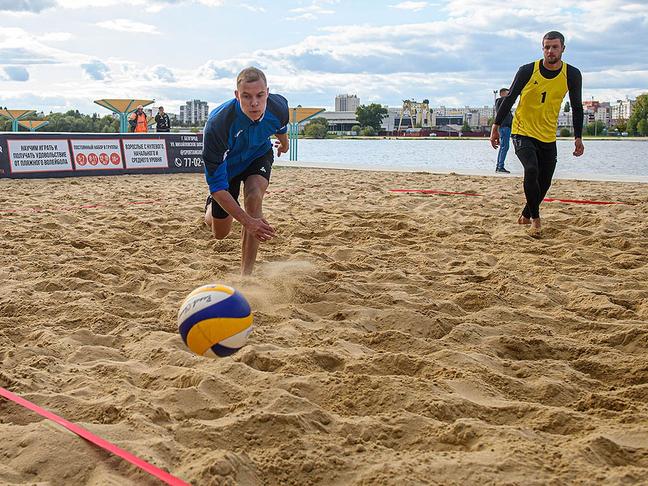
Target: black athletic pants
x=539 y=162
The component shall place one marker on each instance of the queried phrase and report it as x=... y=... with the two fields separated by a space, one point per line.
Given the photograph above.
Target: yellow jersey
x=537 y=113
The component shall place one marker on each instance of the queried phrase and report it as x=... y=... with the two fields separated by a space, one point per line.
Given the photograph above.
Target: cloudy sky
x=62 y=54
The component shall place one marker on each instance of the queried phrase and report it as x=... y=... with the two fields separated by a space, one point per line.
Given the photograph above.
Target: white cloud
x=413 y=6
x=56 y=36
x=252 y=8
x=311 y=12
x=125 y=25
x=148 y=5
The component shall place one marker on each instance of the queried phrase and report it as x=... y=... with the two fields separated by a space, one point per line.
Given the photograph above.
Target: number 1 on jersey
x=544 y=96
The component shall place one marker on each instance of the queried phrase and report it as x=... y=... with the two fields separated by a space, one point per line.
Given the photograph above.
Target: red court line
x=89 y=436
x=63 y=209
x=434 y=191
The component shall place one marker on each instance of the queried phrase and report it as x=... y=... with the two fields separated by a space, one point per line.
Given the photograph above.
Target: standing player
x=542 y=85
x=237 y=149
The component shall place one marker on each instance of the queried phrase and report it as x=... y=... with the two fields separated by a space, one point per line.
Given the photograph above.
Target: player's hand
x=494 y=136
x=281 y=148
x=579 y=147
x=260 y=229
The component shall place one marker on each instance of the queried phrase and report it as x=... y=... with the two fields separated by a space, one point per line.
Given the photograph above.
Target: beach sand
x=399 y=338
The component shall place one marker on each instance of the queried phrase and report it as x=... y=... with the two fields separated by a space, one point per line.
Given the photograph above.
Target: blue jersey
x=232 y=141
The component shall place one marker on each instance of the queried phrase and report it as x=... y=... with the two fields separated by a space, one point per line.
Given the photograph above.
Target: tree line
x=70 y=121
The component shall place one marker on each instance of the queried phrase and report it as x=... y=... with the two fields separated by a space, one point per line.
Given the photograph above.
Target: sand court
x=400 y=338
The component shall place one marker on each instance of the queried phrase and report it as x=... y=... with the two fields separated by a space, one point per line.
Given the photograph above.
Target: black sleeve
x=519 y=82
x=575 y=85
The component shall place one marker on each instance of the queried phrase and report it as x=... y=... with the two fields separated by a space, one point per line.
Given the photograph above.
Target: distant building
x=345 y=102
x=565 y=119
x=597 y=111
x=475 y=117
x=621 y=110
x=339 y=122
x=194 y=112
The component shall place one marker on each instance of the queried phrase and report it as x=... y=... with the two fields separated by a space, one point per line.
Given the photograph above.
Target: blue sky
x=63 y=54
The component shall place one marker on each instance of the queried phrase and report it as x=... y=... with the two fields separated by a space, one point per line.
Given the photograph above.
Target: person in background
x=162 y=121
x=504 y=133
x=137 y=120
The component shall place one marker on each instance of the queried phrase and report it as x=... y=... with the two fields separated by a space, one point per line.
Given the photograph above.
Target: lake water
x=623 y=160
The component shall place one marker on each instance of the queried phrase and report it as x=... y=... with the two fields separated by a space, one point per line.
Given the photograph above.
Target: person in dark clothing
x=162 y=121
x=504 y=133
x=541 y=85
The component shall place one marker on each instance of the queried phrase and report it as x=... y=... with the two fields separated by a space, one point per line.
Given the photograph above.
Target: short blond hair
x=250 y=75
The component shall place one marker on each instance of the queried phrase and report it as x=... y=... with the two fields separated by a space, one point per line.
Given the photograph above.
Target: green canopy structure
x=33 y=125
x=14 y=116
x=123 y=107
x=299 y=115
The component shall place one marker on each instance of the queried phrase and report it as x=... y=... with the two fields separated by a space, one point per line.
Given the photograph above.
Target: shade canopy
x=16 y=114
x=33 y=124
x=123 y=105
x=300 y=114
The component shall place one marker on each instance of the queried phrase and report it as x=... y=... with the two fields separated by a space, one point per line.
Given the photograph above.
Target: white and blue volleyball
x=215 y=320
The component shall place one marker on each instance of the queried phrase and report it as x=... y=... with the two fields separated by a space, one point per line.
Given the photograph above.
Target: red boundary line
x=98 y=441
x=434 y=191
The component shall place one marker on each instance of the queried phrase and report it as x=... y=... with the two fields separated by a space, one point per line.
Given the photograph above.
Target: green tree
x=356 y=129
x=596 y=128
x=371 y=115
x=642 y=127
x=465 y=127
x=565 y=132
x=368 y=131
x=622 y=126
x=317 y=128
x=639 y=112
x=567 y=108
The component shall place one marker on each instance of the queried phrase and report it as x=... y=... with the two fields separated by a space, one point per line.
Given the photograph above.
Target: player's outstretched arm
x=257 y=227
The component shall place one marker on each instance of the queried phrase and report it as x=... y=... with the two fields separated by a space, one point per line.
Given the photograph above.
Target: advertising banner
x=96 y=154
x=185 y=152
x=34 y=155
x=145 y=154
x=38 y=155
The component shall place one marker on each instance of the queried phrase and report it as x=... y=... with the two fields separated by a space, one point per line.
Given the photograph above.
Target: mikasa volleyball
x=215 y=320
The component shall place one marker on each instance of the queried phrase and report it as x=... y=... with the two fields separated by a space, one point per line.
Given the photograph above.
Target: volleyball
x=215 y=320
